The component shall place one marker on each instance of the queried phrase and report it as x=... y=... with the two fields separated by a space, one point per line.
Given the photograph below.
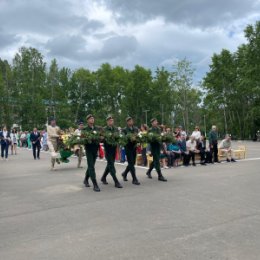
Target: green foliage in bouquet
x=73 y=140
x=122 y=140
x=167 y=138
x=142 y=138
x=153 y=138
x=111 y=138
x=90 y=137
x=65 y=154
x=132 y=138
x=160 y=138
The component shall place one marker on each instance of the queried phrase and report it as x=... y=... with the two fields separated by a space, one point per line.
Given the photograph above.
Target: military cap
x=89 y=116
x=109 y=117
x=128 y=118
x=153 y=119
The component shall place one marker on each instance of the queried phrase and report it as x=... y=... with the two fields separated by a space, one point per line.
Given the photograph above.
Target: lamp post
x=205 y=125
x=145 y=111
x=162 y=113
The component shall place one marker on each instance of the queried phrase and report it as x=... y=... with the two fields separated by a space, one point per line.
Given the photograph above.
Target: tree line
x=228 y=96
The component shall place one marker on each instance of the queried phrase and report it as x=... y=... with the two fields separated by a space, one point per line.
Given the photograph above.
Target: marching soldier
x=52 y=141
x=78 y=148
x=155 y=150
x=110 y=153
x=91 y=153
x=130 y=149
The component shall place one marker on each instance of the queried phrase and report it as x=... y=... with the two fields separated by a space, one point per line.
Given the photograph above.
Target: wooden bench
x=221 y=155
x=239 y=153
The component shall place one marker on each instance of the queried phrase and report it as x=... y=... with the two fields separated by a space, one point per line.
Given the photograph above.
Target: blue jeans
x=4 y=150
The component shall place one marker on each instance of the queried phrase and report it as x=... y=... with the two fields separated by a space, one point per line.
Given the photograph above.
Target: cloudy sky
x=125 y=32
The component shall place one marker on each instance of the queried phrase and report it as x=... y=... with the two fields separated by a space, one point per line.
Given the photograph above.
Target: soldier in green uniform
x=130 y=149
x=110 y=153
x=155 y=150
x=91 y=153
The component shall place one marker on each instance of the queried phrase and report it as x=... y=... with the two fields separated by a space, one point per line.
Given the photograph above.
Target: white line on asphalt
x=249 y=159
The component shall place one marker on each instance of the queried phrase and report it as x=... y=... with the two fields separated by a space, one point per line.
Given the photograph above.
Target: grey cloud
x=195 y=13
x=7 y=39
x=70 y=47
x=118 y=46
x=43 y=17
x=58 y=29
x=91 y=25
x=75 y=47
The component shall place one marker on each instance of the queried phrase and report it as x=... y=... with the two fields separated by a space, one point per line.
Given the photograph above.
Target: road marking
x=249 y=159
x=143 y=167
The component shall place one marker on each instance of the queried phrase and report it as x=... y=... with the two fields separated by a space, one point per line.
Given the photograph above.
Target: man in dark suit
x=5 y=140
x=35 y=138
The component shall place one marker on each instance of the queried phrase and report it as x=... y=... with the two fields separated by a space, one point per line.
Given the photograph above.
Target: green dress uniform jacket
x=130 y=150
x=155 y=151
x=110 y=152
x=91 y=153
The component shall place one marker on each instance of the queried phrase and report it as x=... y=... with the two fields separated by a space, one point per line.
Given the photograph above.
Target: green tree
x=137 y=97
x=29 y=77
x=7 y=102
x=82 y=93
x=186 y=97
x=161 y=93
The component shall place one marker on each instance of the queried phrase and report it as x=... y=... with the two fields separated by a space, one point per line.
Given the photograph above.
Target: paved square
x=210 y=212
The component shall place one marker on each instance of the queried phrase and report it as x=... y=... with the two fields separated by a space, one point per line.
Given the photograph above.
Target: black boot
x=95 y=186
x=103 y=179
x=124 y=176
x=117 y=183
x=161 y=178
x=86 y=183
x=149 y=175
x=135 y=180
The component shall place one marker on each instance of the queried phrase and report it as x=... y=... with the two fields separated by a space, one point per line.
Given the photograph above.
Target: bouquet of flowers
x=112 y=138
x=64 y=148
x=90 y=137
x=154 y=138
x=167 y=138
x=131 y=137
x=142 y=138
x=73 y=140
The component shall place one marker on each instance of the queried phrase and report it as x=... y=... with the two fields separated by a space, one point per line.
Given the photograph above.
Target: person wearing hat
x=110 y=154
x=155 y=150
x=213 y=143
x=53 y=132
x=130 y=150
x=78 y=148
x=91 y=153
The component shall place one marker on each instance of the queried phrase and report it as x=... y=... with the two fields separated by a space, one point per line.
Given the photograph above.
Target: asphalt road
x=203 y=212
